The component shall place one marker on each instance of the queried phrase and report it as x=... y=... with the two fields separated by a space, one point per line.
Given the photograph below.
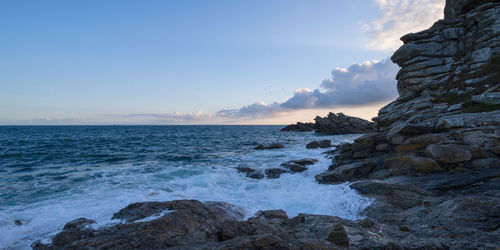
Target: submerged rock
x=298 y=165
x=274 y=173
x=271 y=146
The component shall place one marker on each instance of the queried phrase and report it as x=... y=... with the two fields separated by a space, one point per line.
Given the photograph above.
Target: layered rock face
x=447 y=118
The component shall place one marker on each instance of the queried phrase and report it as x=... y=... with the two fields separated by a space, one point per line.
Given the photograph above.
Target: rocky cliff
x=447 y=117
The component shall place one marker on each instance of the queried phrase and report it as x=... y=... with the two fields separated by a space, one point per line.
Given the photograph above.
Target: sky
x=200 y=62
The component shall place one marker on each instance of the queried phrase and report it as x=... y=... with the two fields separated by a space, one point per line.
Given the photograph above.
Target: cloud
x=360 y=84
x=400 y=17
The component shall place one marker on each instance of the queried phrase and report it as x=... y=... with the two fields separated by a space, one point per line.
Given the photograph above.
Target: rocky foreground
x=432 y=166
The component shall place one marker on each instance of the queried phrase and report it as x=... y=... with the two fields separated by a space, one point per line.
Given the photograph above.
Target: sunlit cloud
x=400 y=17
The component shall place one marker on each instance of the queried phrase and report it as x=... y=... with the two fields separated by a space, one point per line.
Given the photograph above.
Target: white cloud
x=359 y=85
x=400 y=17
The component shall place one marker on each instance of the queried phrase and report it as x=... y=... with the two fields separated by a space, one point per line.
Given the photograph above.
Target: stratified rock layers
x=447 y=118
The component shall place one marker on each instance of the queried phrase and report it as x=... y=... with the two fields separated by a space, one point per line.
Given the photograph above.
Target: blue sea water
x=50 y=175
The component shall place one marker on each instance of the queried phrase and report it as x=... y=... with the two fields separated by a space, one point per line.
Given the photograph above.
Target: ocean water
x=50 y=175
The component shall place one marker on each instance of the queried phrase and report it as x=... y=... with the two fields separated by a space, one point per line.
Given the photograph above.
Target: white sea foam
x=117 y=187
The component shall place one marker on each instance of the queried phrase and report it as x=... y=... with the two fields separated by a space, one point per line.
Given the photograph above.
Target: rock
x=80 y=223
x=271 y=146
x=274 y=173
x=402 y=165
x=304 y=161
x=455 y=107
x=294 y=167
x=319 y=144
x=338 y=236
x=405 y=148
x=448 y=153
x=255 y=175
x=358 y=170
x=336 y=124
x=298 y=165
x=383 y=147
x=489 y=97
x=299 y=127
x=485 y=163
x=271 y=214
x=245 y=169
x=18 y=222
x=363 y=143
x=266 y=240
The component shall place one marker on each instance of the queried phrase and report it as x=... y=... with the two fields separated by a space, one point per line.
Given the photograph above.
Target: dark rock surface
x=338 y=124
x=298 y=165
x=334 y=124
x=270 y=146
x=319 y=144
x=299 y=127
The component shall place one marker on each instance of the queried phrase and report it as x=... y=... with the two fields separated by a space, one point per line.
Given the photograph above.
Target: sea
x=50 y=175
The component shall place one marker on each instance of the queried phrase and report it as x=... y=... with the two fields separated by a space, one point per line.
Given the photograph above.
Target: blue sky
x=184 y=62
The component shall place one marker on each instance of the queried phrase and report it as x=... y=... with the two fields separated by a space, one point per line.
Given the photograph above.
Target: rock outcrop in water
x=299 y=127
x=334 y=124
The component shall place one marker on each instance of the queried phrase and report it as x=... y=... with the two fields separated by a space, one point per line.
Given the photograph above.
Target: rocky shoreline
x=432 y=165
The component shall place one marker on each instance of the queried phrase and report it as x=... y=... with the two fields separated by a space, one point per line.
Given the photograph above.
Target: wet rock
x=80 y=223
x=274 y=173
x=349 y=172
x=299 y=127
x=304 y=161
x=298 y=165
x=270 y=146
x=255 y=175
x=294 y=167
x=245 y=169
x=319 y=144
